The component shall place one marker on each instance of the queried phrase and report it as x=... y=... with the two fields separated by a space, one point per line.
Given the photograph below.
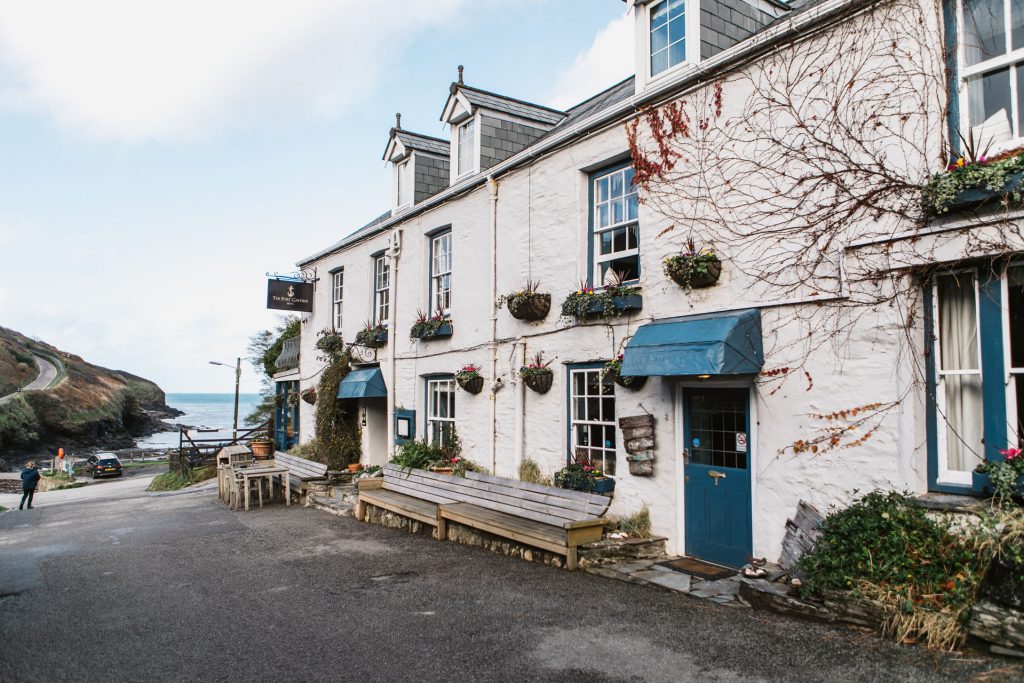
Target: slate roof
x=422 y=143
x=364 y=231
x=509 y=105
x=622 y=90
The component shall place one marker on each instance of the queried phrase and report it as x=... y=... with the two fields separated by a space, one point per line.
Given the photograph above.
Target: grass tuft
x=529 y=471
x=636 y=525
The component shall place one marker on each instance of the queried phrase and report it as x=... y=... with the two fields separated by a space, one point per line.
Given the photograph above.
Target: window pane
x=659 y=62
x=1017 y=23
x=629 y=266
x=958 y=328
x=963 y=416
x=1015 y=302
x=1018 y=429
x=675 y=7
x=616 y=185
x=677 y=53
x=579 y=382
x=602 y=216
x=632 y=207
x=659 y=15
x=620 y=240
x=634 y=240
x=988 y=98
x=1019 y=68
x=606 y=243
x=984 y=30
x=602 y=190
x=677 y=29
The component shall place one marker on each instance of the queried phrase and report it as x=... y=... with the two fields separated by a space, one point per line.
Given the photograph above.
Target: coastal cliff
x=84 y=406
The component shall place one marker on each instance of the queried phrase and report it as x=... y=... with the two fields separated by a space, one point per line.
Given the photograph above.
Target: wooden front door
x=716 y=469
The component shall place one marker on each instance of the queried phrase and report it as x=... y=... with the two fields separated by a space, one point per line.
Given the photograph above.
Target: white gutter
x=673 y=86
x=492 y=185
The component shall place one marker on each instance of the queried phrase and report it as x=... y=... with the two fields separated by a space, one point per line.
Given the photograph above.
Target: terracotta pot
x=541 y=383
x=534 y=307
x=354 y=467
x=262 y=450
x=473 y=386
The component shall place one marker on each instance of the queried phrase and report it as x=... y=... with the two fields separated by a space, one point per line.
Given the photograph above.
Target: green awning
x=709 y=344
x=364 y=383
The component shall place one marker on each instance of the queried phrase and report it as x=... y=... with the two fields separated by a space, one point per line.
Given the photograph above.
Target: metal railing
x=289 y=357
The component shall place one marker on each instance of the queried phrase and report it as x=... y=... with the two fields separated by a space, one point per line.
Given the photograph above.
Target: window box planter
x=601 y=485
x=621 y=304
x=429 y=332
x=971 y=182
x=531 y=308
x=540 y=381
x=978 y=195
x=983 y=482
x=373 y=337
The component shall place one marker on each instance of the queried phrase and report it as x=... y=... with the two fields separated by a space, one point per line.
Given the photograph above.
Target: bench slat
x=585 y=509
x=419 y=490
x=569 y=494
x=470 y=492
x=305 y=468
x=409 y=506
x=506 y=527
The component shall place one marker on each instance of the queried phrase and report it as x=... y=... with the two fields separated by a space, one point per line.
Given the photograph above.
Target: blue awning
x=709 y=344
x=364 y=383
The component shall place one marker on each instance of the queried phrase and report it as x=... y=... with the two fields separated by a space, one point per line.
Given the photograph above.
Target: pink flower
x=1010 y=453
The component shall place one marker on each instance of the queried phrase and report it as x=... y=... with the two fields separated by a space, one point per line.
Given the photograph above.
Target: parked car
x=104 y=465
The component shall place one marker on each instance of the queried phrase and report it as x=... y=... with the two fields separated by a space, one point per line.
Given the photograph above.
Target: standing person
x=29 y=481
x=60 y=460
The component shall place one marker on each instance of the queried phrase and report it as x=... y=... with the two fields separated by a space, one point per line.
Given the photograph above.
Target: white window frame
x=946 y=475
x=436 y=386
x=441 y=274
x=692 y=21
x=628 y=189
x=964 y=73
x=338 y=297
x=465 y=152
x=402 y=184
x=381 y=289
x=1013 y=375
x=608 y=454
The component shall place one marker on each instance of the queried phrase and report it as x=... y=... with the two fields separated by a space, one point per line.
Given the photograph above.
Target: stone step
x=331 y=505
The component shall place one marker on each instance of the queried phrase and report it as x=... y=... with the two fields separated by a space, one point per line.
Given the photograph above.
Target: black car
x=104 y=465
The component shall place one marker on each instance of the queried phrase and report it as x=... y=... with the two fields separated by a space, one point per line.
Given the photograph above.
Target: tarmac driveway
x=176 y=587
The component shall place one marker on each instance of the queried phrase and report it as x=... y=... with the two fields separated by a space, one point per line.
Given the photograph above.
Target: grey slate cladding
x=431 y=176
x=508 y=105
x=723 y=23
x=423 y=143
x=500 y=139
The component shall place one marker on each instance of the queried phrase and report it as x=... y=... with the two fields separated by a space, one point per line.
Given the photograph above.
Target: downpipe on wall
x=394 y=250
x=492 y=186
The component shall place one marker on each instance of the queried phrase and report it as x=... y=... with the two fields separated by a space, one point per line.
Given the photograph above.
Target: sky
x=158 y=158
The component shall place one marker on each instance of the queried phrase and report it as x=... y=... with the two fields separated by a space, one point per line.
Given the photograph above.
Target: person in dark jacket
x=29 y=481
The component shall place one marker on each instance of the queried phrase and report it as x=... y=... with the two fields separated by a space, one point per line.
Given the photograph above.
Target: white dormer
x=419 y=166
x=667 y=38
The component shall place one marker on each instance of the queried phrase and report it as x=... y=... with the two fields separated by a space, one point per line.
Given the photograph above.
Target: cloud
x=170 y=70
x=608 y=60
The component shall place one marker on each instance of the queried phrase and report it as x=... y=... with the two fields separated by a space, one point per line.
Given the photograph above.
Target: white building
x=763 y=392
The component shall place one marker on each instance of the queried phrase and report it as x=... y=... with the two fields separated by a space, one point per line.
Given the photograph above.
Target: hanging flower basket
x=526 y=303
x=613 y=371
x=537 y=375
x=309 y=395
x=694 y=270
x=470 y=379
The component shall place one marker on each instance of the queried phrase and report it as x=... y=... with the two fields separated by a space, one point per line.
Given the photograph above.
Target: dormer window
x=467 y=146
x=667 y=35
x=402 y=184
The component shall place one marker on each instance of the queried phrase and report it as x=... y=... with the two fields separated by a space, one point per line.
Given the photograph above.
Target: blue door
x=717 y=475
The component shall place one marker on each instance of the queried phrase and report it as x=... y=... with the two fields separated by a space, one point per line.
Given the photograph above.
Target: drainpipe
x=520 y=423
x=492 y=185
x=395 y=249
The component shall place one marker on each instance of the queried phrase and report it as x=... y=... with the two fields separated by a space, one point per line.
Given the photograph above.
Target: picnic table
x=240 y=479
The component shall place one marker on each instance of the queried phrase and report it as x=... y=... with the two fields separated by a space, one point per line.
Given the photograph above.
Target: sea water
x=211 y=411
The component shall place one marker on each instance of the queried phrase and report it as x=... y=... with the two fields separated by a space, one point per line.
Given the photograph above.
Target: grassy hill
x=89 y=406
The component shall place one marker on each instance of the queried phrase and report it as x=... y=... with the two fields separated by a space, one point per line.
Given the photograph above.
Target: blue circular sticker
x=696 y=442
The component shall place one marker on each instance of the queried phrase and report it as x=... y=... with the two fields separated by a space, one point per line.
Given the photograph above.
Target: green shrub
x=168 y=481
x=887 y=551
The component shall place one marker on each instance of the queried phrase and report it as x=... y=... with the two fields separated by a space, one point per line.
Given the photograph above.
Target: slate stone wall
x=723 y=23
x=500 y=139
x=432 y=176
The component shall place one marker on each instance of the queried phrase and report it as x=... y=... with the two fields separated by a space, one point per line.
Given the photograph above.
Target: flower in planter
x=330 y=343
x=426 y=326
x=470 y=379
x=467 y=372
x=975 y=170
x=586 y=302
x=526 y=303
x=613 y=370
x=693 y=268
x=536 y=373
x=1005 y=475
x=373 y=335
x=309 y=395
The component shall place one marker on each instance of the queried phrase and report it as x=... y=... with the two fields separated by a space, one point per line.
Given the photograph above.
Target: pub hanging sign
x=285 y=295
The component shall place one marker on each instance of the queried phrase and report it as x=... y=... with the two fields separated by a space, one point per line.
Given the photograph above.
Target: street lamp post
x=238 y=377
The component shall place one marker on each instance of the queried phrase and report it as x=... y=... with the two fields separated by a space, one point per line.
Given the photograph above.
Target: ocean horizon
x=206 y=410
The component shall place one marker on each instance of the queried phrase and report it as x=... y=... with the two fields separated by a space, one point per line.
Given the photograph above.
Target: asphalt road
x=47 y=374
x=174 y=587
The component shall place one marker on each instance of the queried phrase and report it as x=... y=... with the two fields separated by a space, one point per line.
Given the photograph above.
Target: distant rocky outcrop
x=89 y=406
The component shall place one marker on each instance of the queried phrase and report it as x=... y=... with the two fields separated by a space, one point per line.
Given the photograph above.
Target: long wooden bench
x=300 y=472
x=553 y=519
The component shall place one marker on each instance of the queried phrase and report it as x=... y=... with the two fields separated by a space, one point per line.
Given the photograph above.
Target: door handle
x=716 y=475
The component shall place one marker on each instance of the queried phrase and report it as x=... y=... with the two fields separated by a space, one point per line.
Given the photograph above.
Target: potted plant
x=537 y=375
x=373 y=335
x=262 y=448
x=613 y=370
x=430 y=327
x=309 y=395
x=975 y=177
x=583 y=477
x=693 y=268
x=330 y=343
x=1004 y=479
x=470 y=379
x=354 y=467
x=526 y=303
x=616 y=298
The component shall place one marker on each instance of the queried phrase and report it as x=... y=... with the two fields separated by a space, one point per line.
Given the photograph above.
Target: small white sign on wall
x=741 y=441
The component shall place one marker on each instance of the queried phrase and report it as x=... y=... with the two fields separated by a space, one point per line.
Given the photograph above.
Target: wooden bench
x=300 y=472
x=553 y=519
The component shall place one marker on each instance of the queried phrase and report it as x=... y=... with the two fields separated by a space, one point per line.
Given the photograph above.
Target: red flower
x=1010 y=453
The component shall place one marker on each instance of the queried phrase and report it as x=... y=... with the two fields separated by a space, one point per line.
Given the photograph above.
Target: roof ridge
x=617 y=84
x=421 y=135
x=510 y=99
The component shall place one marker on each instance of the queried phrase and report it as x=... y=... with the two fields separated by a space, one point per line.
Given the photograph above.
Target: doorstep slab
x=676 y=581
